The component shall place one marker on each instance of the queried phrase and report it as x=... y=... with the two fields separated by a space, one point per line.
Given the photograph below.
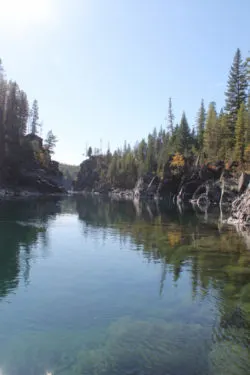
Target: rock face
x=32 y=169
x=210 y=185
x=92 y=176
x=188 y=189
x=243 y=182
x=240 y=214
x=41 y=181
x=207 y=184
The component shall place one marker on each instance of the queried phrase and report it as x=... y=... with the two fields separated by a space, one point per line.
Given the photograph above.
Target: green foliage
x=89 y=153
x=200 y=125
x=16 y=146
x=248 y=68
x=50 y=142
x=225 y=141
x=170 y=117
x=34 y=115
x=150 y=156
x=240 y=132
x=184 y=136
x=211 y=133
x=247 y=140
x=215 y=137
x=236 y=93
x=122 y=168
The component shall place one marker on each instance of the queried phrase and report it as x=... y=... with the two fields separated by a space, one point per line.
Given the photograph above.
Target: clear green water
x=94 y=287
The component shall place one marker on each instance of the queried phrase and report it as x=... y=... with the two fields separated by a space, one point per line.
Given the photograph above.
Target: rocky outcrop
x=188 y=190
x=213 y=186
x=240 y=213
x=31 y=169
x=90 y=176
x=41 y=181
x=207 y=184
x=168 y=187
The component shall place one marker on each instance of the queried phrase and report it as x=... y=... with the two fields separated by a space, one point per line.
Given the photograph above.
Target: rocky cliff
x=30 y=168
x=240 y=213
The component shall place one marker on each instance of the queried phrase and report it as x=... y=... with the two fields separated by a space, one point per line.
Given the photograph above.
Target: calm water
x=94 y=287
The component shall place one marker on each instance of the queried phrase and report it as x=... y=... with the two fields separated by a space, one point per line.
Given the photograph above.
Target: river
x=90 y=286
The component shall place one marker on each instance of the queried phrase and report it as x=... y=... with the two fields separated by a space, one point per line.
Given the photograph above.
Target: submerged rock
x=141 y=347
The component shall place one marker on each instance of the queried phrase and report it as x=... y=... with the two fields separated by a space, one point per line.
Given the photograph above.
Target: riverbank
x=12 y=193
x=211 y=183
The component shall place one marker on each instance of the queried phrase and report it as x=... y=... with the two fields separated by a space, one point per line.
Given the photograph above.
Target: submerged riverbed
x=94 y=287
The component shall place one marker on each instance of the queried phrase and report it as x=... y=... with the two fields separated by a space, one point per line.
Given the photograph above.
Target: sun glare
x=23 y=13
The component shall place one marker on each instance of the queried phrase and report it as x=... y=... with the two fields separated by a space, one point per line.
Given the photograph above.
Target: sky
x=103 y=70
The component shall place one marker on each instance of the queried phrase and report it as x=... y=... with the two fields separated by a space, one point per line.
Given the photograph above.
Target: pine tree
x=236 y=90
x=142 y=151
x=170 y=117
x=184 y=136
x=113 y=168
x=150 y=158
x=201 y=118
x=155 y=138
x=247 y=135
x=3 y=93
x=225 y=152
x=1 y=70
x=34 y=117
x=248 y=70
x=89 y=153
x=50 y=142
x=11 y=121
x=3 y=97
x=248 y=102
x=23 y=112
x=164 y=150
x=240 y=133
x=211 y=133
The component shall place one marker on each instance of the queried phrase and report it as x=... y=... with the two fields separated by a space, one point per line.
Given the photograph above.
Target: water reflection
x=22 y=224
x=216 y=256
x=198 y=314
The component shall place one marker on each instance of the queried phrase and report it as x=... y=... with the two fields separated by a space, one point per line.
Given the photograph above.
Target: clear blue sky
x=104 y=69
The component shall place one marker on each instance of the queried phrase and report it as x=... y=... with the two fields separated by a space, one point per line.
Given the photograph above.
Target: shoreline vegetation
x=206 y=164
x=25 y=157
